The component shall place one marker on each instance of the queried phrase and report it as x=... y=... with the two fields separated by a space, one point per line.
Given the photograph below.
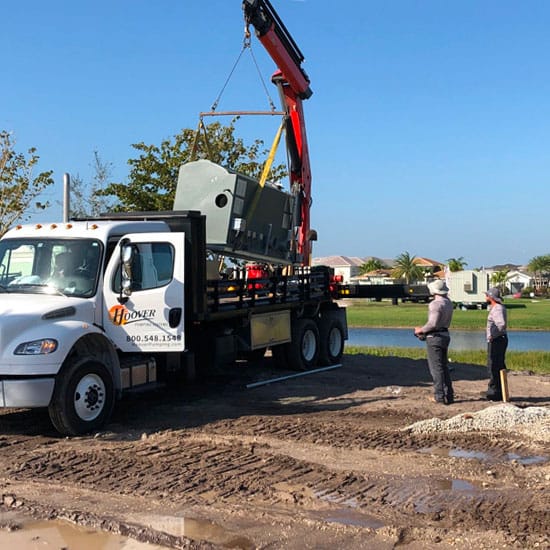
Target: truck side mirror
x=126 y=253
x=126 y=257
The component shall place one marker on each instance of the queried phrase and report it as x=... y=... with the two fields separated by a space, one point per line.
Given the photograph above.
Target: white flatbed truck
x=131 y=305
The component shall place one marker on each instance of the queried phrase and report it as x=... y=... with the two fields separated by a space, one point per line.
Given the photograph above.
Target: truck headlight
x=37 y=347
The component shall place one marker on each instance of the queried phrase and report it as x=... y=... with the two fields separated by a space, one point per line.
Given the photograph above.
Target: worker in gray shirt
x=497 y=342
x=436 y=334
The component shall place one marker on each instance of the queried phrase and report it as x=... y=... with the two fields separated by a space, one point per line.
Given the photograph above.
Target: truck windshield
x=50 y=266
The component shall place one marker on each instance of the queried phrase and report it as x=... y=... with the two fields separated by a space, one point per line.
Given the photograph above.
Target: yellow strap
x=271 y=156
x=265 y=173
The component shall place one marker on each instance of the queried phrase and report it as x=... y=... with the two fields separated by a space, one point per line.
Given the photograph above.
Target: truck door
x=151 y=317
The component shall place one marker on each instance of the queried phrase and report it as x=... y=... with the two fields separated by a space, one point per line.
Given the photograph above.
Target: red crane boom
x=293 y=85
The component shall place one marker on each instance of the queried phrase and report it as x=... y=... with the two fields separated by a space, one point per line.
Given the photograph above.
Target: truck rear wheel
x=83 y=398
x=332 y=338
x=302 y=352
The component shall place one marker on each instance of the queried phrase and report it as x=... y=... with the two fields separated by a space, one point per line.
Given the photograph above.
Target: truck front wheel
x=83 y=398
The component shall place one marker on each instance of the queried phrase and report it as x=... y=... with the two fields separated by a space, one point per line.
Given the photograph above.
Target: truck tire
x=302 y=353
x=331 y=341
x=83 y=398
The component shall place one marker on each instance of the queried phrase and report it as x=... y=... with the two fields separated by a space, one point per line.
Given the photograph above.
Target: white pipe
x=256 y=384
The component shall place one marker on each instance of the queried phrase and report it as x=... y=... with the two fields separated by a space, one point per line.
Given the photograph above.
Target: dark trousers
x=496 y=350
x=438 y=344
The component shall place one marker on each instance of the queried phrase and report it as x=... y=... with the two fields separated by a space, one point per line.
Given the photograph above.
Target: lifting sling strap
x=265 y=173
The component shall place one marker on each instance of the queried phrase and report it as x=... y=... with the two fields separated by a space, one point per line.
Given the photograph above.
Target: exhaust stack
x=66 y=196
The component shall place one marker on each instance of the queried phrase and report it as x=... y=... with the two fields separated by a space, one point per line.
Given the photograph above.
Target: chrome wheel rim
x=309 y=345
x=89 y=397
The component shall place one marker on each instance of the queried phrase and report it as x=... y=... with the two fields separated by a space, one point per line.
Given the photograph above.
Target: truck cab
x=68 y=330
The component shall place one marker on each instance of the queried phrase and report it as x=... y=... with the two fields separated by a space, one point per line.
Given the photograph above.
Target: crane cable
x=247 y=45
x=195 y=146
x=217 y=101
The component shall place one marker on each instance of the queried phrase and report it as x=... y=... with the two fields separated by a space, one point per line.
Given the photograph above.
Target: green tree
x=371 y=264
x=87 y=199
x=19 y=188
x=498 y=278
x=456 y=264
x=406 y=268
x=153 y=175
x=539 y=266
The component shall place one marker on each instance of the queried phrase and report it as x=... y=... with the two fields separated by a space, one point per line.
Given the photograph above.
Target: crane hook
x=246 y=41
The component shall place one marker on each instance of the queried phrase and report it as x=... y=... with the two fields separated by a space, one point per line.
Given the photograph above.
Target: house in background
x=376 y=277
x=517 y=280
x=432 y=268
x=387 y=263
x=345 y=266
x=349 y=267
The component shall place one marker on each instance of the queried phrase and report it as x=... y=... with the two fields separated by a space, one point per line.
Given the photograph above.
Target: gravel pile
x=531 y=421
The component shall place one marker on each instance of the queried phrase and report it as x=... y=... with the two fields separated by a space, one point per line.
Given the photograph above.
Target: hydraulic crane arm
x=276 y=39
x=293 y=84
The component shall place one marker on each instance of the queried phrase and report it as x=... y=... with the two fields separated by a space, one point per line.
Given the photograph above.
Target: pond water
x=460 y=339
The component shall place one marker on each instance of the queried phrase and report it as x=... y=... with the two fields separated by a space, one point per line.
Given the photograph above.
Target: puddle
x=211 y=532
x=527 y=460
x=345 y=516
x=26 y=534
x=437 y=451
x=458 y=488
x=198 y=530
x=457 y=485
x=483 y=456
x=462 y=453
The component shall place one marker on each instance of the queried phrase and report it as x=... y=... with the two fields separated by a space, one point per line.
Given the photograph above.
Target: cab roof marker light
x=38 y=226
x=53 y=226
x=69 y=226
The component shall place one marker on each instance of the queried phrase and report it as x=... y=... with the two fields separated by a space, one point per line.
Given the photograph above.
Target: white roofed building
x=345 y=266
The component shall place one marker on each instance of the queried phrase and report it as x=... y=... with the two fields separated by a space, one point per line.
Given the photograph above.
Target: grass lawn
x=523 y=314
x=535 y=361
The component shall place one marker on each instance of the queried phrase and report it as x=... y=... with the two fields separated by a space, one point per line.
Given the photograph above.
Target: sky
x=428 y=127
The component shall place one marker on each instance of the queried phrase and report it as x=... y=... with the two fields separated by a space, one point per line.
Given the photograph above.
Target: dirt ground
x=320 y=461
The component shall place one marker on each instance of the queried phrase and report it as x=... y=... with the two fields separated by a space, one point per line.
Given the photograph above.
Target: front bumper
x=26 y=392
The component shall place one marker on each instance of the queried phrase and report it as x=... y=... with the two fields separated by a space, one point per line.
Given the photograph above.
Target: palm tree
x=456 y=264
x=406 y=268
x=538 y=266
x=498 y=278
x=371 y=264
